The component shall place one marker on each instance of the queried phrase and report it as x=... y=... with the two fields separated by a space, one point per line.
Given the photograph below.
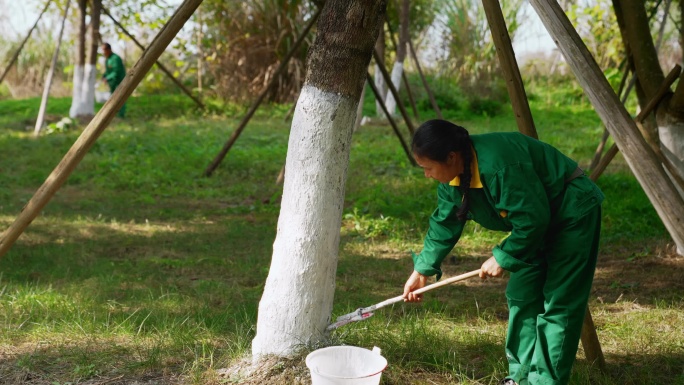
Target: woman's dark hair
x=434 y=140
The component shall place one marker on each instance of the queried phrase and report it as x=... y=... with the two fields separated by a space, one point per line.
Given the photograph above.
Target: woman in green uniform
x=513 y=183
x=114 y=72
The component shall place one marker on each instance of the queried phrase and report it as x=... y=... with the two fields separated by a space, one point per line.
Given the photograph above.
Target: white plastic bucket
x=346 y=365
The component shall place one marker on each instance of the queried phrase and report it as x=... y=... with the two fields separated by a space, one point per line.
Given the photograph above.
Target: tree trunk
x=379 y=80
x=666 y=131
x=398 y=68
x=79 y=65
x=90 y=74
x=297 y=301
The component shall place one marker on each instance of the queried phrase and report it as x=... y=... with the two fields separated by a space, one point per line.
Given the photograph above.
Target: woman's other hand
x=415 y=282
x=490 y=268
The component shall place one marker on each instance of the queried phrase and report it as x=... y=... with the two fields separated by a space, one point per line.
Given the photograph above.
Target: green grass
x=140 y=269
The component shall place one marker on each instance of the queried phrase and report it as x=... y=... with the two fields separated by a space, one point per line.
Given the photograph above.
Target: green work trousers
x=548 y=301
x=122 y=111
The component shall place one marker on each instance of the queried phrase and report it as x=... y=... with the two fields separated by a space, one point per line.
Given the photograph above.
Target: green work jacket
x=519 y=188
x=114 y=70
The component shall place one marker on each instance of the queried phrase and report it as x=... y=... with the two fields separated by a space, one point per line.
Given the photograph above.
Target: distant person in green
x=510 y=182
x=114 y=72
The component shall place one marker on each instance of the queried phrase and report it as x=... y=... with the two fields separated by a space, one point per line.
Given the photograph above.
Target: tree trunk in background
x=297 y=301
x=398 y=68
x=79 y=65
x=666 y=128
x=646 y=65
x=90 y=73
x=377 y=75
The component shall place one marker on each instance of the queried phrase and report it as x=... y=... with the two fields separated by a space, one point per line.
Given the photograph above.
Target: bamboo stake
x=283 y=64
x=159 y=64
x=393 y=90
x=96 y=126
x=604 y=139
x=21 y=46
x=509 y=65
x=431 y=96
x=369 y=80
x=50 y=75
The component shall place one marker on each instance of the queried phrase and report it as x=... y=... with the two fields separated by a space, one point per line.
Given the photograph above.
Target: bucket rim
x=343 y=377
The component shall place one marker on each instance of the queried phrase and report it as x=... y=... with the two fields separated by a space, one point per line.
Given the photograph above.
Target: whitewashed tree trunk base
x=397 y=71
x=83 y=95
x=74 y=110
x=292 y=315
x=88 y=91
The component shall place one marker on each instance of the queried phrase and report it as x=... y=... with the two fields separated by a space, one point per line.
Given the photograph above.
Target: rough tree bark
x=297 y=301
x=398 y=68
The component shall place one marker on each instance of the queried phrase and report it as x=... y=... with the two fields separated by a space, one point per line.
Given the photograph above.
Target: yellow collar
x=474 y=179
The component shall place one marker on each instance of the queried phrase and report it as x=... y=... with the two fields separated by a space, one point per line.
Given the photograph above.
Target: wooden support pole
x=604 y=139
x=650 y=107
x=283 y=64
x=425 y=83
x=96 y=126
x=159 y=64
x=509 y=65
x=21 y=46
x=393 y=90
x=369 y=79
x=641 y=159
x=604 y=162
x=50 y=75
x=662 y=91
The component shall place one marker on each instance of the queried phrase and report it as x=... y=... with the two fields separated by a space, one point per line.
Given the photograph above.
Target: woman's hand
x=415 y=282
x=490 y=268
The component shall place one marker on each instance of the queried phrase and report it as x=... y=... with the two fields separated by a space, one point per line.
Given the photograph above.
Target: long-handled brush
x=366 y=312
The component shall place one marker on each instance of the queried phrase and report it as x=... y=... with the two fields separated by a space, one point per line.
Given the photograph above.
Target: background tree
x=298 y=296
x=85 y=67
x=665 y=128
